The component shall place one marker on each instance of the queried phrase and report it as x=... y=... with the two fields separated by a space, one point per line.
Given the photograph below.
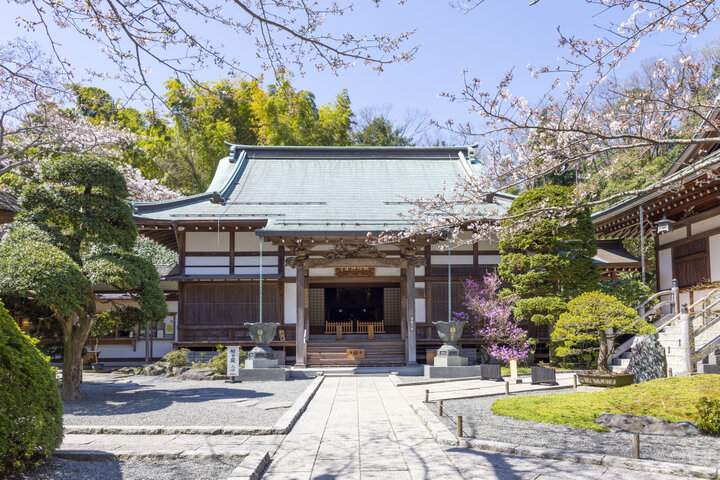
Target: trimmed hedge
x=30 y=407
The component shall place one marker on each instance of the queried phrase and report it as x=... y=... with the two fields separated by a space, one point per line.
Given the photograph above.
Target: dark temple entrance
x=354 y=305
x=354 y=309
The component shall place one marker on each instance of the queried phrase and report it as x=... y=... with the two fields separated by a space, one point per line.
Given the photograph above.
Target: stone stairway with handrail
x=689 y=334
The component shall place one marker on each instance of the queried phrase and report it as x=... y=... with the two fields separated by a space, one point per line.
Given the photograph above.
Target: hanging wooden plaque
x=354 y=271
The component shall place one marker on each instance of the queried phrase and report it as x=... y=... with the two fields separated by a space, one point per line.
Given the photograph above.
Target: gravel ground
x=112 y=399
x=58 y=469
x=479 y=422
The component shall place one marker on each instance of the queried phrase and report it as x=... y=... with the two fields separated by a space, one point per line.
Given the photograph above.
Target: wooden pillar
x=410 y=313
x=300 y=319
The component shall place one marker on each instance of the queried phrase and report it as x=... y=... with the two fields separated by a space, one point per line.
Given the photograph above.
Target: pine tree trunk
x=75 y=335
x=604 y=353
x=72 y=368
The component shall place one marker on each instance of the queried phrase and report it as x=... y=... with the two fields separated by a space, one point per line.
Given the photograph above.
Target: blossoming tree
x=490 y=319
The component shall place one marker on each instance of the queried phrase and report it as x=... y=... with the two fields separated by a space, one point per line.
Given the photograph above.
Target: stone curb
x=288 y=419
x=161 y=430
x=252 y=467
x=443 y=436
x=281 y=427
x=502 y=394
x=101 y=455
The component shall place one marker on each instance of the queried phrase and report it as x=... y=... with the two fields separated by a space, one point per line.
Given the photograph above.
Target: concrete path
x=475 y=388
x=363 y=428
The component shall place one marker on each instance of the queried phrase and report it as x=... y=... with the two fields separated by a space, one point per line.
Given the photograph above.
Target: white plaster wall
x=321 y=272
x=255 y=261
x=714 y=258
x=249 y=242
x=160 y=348
x=677 y=234
x=419 y=271
x=207 y=261
x=207 y=242
x=455 y=259
x=488 y=259
x=290 y=301
x=419 y=310
x=664 y=266
x=705 y=225
x=387 y=272
x=207 y=265
x=289 y=271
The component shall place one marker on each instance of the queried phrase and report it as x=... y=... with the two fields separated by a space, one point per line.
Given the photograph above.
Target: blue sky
x=498 y=35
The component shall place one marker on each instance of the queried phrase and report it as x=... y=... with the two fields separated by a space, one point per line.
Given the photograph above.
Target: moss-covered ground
x=672 y=399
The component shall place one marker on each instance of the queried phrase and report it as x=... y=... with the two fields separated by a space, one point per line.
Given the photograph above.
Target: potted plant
x=104 y=325
x=592 y=323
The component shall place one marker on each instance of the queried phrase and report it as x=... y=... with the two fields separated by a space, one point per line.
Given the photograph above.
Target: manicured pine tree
x=76 y=230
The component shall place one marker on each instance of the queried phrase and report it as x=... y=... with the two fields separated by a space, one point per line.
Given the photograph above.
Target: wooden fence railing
x=356 y=327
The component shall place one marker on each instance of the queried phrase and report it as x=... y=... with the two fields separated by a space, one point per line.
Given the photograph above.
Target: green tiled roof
x=301 y=190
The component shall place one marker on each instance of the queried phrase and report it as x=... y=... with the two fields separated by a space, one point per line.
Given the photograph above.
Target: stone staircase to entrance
x=327 y=351
x=704 y=333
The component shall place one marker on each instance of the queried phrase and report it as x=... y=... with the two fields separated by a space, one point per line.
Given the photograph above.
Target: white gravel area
x=59 y=469
x=112 y=399
x=480 y=422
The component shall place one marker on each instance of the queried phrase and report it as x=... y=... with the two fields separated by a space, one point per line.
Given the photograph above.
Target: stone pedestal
x=450 y=356
x=261 y=357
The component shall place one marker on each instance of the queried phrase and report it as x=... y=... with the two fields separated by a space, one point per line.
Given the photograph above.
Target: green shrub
x=30 y=407
x=178 y=358
x=218 y=363
x=709 y=415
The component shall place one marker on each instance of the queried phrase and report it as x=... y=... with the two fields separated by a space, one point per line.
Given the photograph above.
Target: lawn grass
x=672 y=399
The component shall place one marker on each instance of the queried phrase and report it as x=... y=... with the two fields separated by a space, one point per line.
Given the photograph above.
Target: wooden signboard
x=354 y=271
x=355 y=353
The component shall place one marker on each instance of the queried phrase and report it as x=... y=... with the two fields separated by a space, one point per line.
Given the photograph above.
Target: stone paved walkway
x=362 y=427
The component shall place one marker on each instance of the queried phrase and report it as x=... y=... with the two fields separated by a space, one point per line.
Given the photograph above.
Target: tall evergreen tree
x=550 y=261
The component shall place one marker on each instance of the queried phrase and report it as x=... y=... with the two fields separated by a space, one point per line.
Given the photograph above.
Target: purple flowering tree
x=489 y=317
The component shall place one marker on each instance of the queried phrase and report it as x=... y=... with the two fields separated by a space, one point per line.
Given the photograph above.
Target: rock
x=177 y=371
x=126 y=370
x=153 y=370
x=625 y=422
x=196 y=374
x=647 y=359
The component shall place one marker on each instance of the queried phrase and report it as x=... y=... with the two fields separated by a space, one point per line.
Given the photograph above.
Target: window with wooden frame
x=691 y=262
x=438 y=307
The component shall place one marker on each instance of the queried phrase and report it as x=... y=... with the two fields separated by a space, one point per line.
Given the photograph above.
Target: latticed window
x=391 y=306
x=316 y=306
x=228 y=304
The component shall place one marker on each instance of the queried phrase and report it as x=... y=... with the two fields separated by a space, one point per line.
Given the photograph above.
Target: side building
x=683 y=217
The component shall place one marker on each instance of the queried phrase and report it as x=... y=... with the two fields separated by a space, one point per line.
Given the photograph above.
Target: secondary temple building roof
x=339 y=191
